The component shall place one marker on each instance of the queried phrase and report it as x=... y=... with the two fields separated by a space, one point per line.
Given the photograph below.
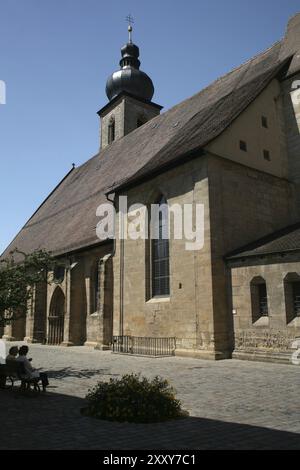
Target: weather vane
x=130 y=21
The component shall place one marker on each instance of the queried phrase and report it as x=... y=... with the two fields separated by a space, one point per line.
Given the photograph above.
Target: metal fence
x=141 y=346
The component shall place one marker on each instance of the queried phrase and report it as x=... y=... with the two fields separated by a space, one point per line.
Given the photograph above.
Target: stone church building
x=233 y=147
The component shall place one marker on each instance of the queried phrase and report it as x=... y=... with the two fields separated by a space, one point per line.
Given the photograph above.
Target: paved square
x=232 y=404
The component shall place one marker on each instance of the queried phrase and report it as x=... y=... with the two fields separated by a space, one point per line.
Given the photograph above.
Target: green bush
x=134 y=399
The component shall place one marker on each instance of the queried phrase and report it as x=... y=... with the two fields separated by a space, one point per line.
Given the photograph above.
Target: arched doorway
x=56 y=318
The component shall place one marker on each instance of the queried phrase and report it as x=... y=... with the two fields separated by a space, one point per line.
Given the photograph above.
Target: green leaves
x=18 y=275
x=134 y=399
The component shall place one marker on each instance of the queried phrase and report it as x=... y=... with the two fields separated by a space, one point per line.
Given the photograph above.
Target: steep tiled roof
x=67 y=219
x=283 y=241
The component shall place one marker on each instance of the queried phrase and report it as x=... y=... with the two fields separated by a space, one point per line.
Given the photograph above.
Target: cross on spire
x=130 y=21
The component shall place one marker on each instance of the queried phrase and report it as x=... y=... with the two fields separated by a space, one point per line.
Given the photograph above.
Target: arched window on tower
x=111 y=131
x=141 y=120
x=160 y=252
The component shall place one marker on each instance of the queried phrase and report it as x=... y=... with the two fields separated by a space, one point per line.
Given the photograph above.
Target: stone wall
x=125 y=111
x=245 y=205
x=292 y=132
x=82 y=325
x=269 y=337
x=248 y=128
x=188 y=313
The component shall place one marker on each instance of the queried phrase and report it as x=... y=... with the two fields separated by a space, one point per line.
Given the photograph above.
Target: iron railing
x=141 y=346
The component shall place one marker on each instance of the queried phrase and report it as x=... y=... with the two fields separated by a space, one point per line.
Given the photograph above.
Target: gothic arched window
x=160 y=252
x=111 y=130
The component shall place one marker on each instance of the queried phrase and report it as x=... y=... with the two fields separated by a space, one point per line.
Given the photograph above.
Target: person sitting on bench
x=12 y=354
x=31 y=373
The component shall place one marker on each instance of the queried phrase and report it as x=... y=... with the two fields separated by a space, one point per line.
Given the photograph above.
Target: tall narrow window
x=95 y=289
x=296 y=298
x=111 y=131
x=160 y=252
x=263 y=300
x=292 y=296
x=259 y=299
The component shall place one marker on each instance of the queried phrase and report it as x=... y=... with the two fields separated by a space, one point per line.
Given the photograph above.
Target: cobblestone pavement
x=232 y=404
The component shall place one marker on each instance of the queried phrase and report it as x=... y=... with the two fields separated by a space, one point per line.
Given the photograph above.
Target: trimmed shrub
x=134 y=399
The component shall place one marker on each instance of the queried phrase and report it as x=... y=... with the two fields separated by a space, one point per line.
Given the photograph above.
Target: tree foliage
x=19 y=273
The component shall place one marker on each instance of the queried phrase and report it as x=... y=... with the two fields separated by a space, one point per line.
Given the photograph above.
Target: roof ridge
x=210 y=85
x=248 y=61
x=235 y=69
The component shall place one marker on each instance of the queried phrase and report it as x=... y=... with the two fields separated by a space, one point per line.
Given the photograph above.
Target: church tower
x=130 y=92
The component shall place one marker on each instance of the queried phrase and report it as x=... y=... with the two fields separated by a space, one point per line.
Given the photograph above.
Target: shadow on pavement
x=53 y=421
x=82 y=373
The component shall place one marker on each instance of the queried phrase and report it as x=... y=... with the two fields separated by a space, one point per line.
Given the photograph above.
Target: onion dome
x=130 y=78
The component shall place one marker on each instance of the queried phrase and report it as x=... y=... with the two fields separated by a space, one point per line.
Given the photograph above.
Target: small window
x=141 y=121
x=264 y=122
x=259 y=299
x=243 y=145
x=267 y=155
x=111 y=131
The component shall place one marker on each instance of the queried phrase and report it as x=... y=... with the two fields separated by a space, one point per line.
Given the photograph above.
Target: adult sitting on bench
x=12 y=354
x=31 y=373
x=9 y=368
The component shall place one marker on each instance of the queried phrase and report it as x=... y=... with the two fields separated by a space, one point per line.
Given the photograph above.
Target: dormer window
x=111 y=131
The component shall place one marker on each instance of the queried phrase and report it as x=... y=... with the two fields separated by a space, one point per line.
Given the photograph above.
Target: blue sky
x=55 y=57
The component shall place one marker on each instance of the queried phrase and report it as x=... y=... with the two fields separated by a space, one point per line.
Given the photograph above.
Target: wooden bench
x=15 y=372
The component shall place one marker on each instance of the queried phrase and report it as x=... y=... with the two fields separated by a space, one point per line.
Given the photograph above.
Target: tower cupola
x=130 y=92
x=130 y=78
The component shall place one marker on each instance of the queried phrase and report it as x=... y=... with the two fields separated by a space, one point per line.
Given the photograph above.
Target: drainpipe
x=121 y=310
